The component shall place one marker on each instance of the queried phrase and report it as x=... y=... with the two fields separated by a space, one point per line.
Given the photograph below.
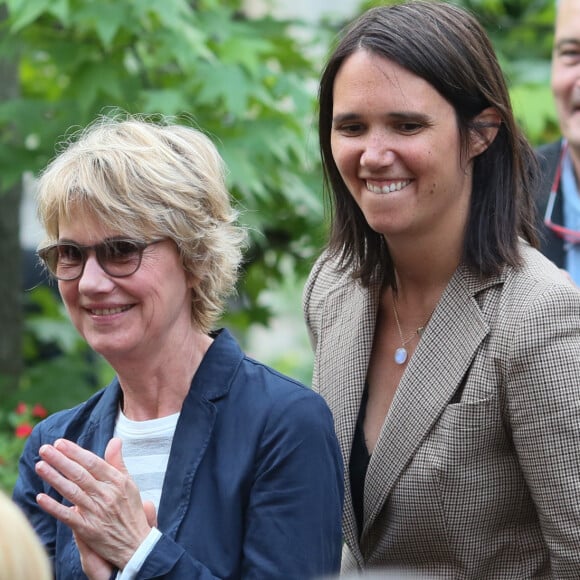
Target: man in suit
x=558 y=198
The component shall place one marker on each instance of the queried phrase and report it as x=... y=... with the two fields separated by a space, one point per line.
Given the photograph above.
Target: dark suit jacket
x=551 y=245
x=476 y=471
x=253 y=487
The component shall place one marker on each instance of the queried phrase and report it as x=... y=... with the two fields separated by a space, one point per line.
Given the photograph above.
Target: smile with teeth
x=109 y=311
x=396 y=186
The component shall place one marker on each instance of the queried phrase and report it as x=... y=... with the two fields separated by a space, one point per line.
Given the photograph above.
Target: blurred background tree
x=250 y=83
x=246 y=82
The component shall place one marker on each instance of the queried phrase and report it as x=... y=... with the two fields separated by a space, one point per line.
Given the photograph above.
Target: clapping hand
x=108 y=519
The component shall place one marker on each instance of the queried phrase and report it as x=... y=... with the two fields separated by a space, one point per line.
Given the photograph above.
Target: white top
x=146 y=447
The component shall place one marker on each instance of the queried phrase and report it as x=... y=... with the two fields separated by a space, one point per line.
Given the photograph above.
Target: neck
x=420 y=286
x=415 y=298
x=157 y=387
x=422 y=265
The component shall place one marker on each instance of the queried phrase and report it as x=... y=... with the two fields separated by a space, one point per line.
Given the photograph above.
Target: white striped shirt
x=146 y=447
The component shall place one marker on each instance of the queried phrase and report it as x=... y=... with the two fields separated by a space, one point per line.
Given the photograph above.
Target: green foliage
x=244 y=81
x=60 y=369
x=60 y=372
x=535 y=111
x=285 y=343
x=16 y=424
x=522 y=33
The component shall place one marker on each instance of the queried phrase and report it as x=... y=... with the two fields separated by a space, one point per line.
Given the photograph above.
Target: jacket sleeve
x=295 y=512
x=293 y=519
x=543 y=401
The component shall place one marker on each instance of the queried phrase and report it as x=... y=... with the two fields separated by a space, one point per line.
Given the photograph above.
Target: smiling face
x=566 y=70
x=127 y=318
x=396 y=144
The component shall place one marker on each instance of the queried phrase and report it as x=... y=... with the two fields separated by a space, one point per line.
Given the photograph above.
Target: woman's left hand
x=106 y=513
x=93 y=565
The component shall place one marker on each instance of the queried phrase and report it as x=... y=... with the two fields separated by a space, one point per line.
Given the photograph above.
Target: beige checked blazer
x=486 y=484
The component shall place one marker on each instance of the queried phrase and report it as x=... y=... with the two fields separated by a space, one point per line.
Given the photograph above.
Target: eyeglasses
x=117 y=257
x=568 y=235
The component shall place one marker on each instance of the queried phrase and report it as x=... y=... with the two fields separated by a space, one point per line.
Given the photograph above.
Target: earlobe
x=484 y=130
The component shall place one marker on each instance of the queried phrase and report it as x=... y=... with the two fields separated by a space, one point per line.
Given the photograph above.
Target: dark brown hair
x=446 y=46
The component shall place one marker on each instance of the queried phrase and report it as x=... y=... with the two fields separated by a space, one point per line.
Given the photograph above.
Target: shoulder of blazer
x=332 y=290
x=325 y=276
x=536 y=276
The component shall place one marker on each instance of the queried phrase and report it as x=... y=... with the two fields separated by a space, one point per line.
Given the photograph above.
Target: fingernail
x=60 y=444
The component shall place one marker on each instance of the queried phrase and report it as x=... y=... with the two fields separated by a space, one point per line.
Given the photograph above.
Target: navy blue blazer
x=551 y=245
x=254 y=481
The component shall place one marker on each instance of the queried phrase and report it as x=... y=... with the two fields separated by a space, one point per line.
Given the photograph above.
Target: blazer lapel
x=343 y=353
x=195 y=427
x=436 y=370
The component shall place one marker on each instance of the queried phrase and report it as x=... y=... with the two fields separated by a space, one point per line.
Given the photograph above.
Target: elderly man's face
x=566 y=69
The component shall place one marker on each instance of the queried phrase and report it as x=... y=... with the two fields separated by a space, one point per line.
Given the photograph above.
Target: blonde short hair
x=22 y=556
x=151 y=178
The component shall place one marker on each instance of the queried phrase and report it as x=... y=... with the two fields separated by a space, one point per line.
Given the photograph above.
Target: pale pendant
x=401 y=355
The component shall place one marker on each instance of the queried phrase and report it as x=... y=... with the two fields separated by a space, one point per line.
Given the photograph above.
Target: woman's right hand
x=107 y=513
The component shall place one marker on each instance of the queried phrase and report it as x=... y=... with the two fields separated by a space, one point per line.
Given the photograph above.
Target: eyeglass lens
x=117 y=258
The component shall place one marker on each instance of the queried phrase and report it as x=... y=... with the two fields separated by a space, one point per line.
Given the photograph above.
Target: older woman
x=446 y=345
x=196 y=461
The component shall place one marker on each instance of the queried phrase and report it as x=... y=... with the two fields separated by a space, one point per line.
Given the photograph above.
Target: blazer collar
x=195 y=426
x=216 y=372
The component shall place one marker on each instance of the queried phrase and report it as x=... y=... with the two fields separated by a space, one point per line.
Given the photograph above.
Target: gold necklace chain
x=401 y=353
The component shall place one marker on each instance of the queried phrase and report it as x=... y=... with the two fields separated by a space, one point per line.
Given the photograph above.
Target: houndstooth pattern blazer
x=485 y=484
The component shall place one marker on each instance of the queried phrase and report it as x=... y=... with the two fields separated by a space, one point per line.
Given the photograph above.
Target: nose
x=377 y=152
x=94 y=279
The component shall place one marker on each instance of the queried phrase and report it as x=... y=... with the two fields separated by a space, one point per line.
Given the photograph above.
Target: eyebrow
x=344 y=117
x=401 y=116
x=103 y=241
x=563 y=42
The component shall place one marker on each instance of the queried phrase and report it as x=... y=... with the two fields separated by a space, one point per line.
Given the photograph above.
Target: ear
x=191 y=280
x=483 y=131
